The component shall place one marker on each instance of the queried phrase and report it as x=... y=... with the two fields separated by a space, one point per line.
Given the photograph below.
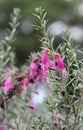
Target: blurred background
x=61 y=14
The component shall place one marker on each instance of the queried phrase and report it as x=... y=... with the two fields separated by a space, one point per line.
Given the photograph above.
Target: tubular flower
x=35 y=70
x=45 y=57
x=57 y=120
x=32 y=106
x=59 y=63
x=44 y=60
x=34 y=67
x=58 y=116
x=8 y=71
x=43 y=75
x=7 y=84
x=1 y=128
x=25 y=83
x=45 y=64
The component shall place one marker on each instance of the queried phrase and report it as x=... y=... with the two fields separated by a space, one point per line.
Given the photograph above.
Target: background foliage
x=68 y=12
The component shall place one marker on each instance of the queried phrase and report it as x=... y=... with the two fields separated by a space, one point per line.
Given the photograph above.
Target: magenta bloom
x=44 y=60
x=45 y=64
x=32 y=106
x=34 y=67
x=44 y=75
x=25 y=82
x=1 y=128
x=7 y=84
x=45 y=57
x=59 y=63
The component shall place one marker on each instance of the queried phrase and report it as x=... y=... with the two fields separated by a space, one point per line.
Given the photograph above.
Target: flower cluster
x=39 y=68
x=38 y=71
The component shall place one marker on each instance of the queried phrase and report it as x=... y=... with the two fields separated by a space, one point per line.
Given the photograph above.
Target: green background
x=69 y=12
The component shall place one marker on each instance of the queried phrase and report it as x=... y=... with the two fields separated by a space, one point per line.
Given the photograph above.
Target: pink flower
x=55 y=123
x=58 y=116
x=1 y=128
x=34 y=67
x=81 y=95
x=32 y=106
x=59 y=63
x=7 y=84
x=25 y=82
x=44 y=60
x=8 y=70
x=44 y=75
x=45 y=57
x=45 y=64
x=57 y=120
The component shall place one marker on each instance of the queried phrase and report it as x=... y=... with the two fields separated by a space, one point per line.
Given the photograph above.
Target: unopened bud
x=63 y=93
x=55 y=123
x=57 y=78
x=44 y=39
x=32 y=106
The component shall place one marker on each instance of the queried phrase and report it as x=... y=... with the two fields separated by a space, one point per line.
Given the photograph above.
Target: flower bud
x=57 y=78
x=63 y=93
x=44 y=39
x=32 y=106
x=55 y=123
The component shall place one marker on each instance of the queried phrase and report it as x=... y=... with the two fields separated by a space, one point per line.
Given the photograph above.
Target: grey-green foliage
x=7 y=55
x=70 y=105
x=63 y=10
